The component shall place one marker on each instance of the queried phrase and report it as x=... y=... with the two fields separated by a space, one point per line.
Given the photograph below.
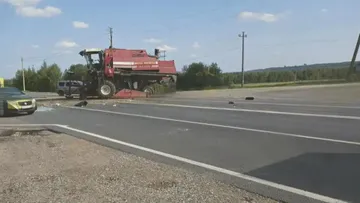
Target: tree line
x=202 y=76
x=195 y=76
x=46 y=78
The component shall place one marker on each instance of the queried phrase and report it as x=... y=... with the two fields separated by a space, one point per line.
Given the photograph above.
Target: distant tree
x=200 y=76
x=8 y=83
x=48 y=77
x=31 y=79
x=79 y=70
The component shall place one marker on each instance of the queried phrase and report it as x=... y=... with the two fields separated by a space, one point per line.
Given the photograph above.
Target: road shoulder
x=41 y=165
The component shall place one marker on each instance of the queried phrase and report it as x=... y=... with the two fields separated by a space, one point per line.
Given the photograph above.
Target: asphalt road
x=269 y=105
x=287 y=149
x=337 y=93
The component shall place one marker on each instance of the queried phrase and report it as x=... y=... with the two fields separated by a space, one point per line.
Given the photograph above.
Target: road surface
x=316 y=150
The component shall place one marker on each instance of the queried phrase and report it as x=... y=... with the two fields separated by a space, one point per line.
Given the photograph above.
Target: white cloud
x=30 y=11
x=28 y=8
x=166 y=48
x=66 y=44
x=153 y=40
x=21 y=3
x=193 y=55
x=196 y=45
x=324 y=10
x=35 y=46
x=80 y=25
x=265 y=17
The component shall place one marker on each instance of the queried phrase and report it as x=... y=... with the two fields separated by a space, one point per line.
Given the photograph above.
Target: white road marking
x=255 y=111
x=238 y=101
x=195 y=163
x=30 y=125
x=44 y=109
x=304 y=105
x=218 y=125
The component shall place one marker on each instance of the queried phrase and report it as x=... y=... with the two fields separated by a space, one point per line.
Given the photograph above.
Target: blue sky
x=280 y=32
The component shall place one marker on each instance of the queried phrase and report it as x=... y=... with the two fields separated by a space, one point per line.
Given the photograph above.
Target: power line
x=207 y=55
x=243 y=36
x=226 y=51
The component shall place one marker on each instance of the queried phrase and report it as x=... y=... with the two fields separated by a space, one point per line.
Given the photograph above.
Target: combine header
x=127 y=73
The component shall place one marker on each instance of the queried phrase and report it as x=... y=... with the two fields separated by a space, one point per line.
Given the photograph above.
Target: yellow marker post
x=2 y=82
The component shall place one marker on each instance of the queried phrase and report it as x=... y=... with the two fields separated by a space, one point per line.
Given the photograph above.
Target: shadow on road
x=14 y=115
x=333 y=175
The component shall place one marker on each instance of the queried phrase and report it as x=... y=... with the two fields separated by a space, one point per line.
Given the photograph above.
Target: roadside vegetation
x=201 y=76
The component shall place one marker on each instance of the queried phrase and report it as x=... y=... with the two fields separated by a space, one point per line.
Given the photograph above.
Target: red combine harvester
x=127 y=73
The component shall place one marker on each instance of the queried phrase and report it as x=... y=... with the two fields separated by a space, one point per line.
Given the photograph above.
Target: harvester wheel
x=61 y=93
x=107 y=90
x=149 y=90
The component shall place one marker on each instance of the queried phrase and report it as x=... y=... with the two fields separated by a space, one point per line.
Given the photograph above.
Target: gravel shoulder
x=43 y=166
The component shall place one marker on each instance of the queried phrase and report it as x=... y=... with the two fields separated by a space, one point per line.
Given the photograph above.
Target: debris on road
x=42 y=166
x=249 y=98
x=81 y=104
x=44 y=109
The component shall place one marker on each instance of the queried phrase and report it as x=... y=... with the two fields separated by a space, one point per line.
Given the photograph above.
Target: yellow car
x=13 y=102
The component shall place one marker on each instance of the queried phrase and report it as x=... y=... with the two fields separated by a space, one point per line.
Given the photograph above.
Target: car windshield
x=11 y=91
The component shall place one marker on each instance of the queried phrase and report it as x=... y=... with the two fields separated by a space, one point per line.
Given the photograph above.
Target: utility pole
x=111 y=46
x=243 y=36
x=353 y=60
x=111 y=37
x=23 y=73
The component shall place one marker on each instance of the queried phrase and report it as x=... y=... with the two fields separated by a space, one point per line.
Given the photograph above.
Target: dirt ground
x=42 y=166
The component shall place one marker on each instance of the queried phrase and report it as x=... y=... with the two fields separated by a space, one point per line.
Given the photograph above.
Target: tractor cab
x=94 y=58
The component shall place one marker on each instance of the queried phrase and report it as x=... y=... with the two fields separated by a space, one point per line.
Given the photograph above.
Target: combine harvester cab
x=128 y=73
